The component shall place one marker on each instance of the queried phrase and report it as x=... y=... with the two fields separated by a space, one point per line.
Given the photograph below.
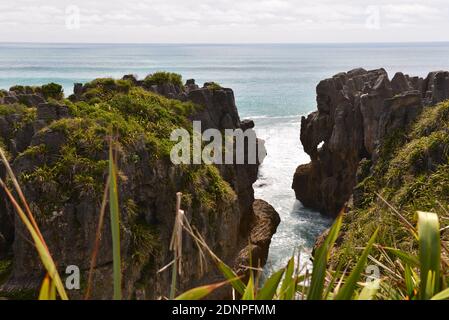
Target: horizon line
x=225 y=43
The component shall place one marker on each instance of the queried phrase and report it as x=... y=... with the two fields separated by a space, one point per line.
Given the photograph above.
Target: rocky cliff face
x=58 y=149
x=357 y=111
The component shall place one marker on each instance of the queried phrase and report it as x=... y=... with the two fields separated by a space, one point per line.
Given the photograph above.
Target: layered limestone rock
x=58 y=149
x=357 y=111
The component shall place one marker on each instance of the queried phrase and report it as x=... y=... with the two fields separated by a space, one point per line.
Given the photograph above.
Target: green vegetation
x=52 y=90
x=140 y=119
x=418 y=277
x=25 y=215
x=48 y=91
x=115 y=224
x=160 y=78
x=103 y=89
x=19 y=116
x=411 y=174
x=71 y=162
x=5 y=269
x=15 y=108
x=206 y=188
x=214 y=86
x=144 y=241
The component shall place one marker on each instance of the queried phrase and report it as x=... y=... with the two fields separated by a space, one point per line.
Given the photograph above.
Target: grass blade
x=93 y=259
x=370 y=290
x=320 y=262
x=41 y=247
x=48 y=289
x=115 y=225
x=249 y=291
x=174 y=279
x=233 y=278
x=409 y=283
x=429 y=254
x=270 y=287
x=443 y=295
x=31 y=225
x=408 y=259
x=333 y=280
x=288 y=282
x=200 y=292
x=348 y=289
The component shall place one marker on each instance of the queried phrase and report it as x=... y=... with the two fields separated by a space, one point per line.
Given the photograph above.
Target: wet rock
x=10 y=99
x=247 y=124
x=51 y=111
x=400 y=84
x=191 y=85
x=399 y=113
x=130 y=77
x=30 y=100
x=440 y=87
x=263 y=228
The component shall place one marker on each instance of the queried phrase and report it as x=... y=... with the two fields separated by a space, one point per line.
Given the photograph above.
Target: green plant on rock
x=53 y=91
x=160 y=78
x=214 y=86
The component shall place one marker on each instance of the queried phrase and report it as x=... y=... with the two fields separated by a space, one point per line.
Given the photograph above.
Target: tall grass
x=115 y=224
x=52 y=278
x=52 y=282
x=422 y=278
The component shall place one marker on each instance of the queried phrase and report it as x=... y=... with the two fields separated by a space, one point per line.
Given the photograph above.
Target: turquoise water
x=273 y=84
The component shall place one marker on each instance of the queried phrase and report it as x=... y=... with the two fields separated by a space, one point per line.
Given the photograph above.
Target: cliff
x=358 y=113
x=410 y=174
x=58 y=149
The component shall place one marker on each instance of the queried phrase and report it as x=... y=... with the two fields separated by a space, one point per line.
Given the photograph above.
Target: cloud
x=241 y=21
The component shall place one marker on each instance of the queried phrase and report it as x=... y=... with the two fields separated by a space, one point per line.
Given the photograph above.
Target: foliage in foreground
x=423 y=276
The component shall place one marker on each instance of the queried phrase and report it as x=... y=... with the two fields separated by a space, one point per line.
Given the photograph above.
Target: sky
x=223 y=21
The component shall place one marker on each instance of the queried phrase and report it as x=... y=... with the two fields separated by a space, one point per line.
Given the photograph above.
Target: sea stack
x=357 y=110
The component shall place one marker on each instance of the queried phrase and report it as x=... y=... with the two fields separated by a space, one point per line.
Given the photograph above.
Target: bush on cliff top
x=214 y=86
x=15 y=108
x=103 y=89
x=160 y=78
x=52 y=91
x=48 y=91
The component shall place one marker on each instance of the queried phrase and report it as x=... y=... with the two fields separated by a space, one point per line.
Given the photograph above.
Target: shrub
x=52 y=90
x=162 y=78
x=213 y=86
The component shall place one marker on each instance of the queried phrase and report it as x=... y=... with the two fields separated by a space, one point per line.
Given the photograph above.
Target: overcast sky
x=223 y=21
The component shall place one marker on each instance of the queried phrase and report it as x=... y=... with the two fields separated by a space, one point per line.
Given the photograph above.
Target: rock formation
x=58 y=148
x=357 y=110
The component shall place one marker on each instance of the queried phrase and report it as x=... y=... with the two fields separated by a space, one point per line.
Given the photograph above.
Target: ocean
x=274 y=85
